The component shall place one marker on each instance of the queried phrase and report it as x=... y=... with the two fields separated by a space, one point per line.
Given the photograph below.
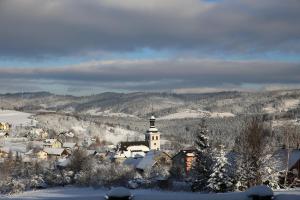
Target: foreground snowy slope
x=73 y=193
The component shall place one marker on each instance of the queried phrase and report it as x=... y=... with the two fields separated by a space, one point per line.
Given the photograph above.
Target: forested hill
x=165 y=105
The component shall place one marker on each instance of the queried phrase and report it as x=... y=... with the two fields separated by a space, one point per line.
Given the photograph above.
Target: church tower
x=152 y=136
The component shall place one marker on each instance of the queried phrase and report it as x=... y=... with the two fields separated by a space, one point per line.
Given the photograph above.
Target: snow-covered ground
x=96 y=112
x=97 y=194
x=86 y=129
x=16 y=118
x=188 y=113
x=286 y=105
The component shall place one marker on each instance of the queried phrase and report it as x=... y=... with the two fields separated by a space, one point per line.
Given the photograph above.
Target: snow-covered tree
x=203 y=162
x=220 y=180
x=255 y=164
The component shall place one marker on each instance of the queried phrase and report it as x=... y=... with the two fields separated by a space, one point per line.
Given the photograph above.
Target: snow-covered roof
x=54 y=151
x=132 y=161
x=152 y=130
x=190 y=154
x=138 y=148
x=50 y=141
x=69 y=145
x=149 y=160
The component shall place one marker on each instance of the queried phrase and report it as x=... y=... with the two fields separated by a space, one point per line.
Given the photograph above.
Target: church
x=140 y=148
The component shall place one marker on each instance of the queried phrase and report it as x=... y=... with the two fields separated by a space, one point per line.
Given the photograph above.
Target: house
x=182 y=162
x=4 y=152
x=42 y=155
x=52 y=143
x=4 y=126
x=56 y=153
x=154 y=159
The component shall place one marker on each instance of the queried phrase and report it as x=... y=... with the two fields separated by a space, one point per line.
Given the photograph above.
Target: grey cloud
x=161 y=74
x=35 y=28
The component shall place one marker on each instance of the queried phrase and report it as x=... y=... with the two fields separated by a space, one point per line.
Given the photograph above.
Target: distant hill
x=165 y=105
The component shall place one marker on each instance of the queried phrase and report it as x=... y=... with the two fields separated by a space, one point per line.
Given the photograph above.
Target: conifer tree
x=203 y=162
x=220 y=180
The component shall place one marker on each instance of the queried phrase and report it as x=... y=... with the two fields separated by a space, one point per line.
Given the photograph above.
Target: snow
x=119 y=192
x=118 y=134
x=189 y=113
x=74 y=193
x=260 y=190
x=108 y=113
x=138 y=148
x=54 y=151
x=148 y=161
x=286 y=105
x=16 y=118
x=69 y=145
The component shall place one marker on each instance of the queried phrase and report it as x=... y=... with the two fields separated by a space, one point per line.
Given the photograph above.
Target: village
x=153 y=163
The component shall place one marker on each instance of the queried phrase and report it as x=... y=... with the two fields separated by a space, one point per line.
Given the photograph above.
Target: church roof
x=125 y=145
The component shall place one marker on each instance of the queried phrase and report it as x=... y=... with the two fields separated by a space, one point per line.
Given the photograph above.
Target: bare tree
x=254 y=150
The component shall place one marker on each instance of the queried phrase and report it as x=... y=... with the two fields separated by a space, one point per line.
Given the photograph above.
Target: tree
x=220 y=180
x=292 y=140
x=79 y=160
x=255 y=163
x=202 y=166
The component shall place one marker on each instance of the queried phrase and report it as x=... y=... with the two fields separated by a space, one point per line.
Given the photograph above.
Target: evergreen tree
x=203 y=162
x=220 y=180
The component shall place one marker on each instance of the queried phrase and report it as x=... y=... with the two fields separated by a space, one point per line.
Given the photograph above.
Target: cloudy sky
x=86 y=47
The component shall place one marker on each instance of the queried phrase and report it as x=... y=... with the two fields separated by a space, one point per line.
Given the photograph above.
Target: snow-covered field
x=16 y=118
x=97 y=194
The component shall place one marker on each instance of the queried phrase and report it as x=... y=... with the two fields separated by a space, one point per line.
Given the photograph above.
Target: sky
x=87 y=47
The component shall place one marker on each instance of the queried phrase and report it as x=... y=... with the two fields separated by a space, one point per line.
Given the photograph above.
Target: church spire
x=152 y=135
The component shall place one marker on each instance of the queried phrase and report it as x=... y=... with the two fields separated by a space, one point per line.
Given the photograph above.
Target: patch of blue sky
x=145 y=53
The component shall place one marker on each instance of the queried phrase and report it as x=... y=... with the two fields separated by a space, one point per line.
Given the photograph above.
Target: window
x=152 y=137
x=156 y=137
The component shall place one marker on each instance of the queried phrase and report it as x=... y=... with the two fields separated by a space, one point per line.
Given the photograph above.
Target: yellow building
x=42 y=155
x=4 y=152
x=4 y=126
x=52 y=143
